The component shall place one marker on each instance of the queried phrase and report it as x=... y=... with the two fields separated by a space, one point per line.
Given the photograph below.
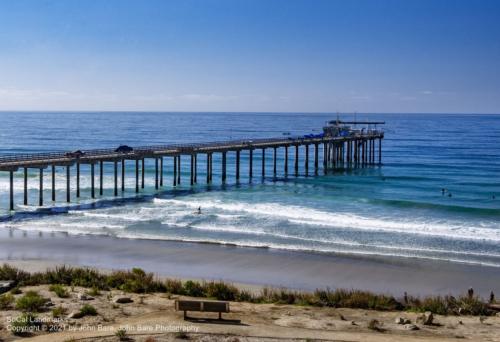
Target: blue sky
x=251 y=55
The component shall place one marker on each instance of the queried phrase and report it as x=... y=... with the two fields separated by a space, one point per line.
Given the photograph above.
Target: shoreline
x=247 y=267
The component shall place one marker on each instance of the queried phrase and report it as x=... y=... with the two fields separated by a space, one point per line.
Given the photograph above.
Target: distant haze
x=261 y=55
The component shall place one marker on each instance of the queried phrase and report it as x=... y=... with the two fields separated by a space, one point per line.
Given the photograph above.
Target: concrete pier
x=354 y=150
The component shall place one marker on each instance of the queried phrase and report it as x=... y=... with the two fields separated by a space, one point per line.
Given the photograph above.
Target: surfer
x=199 y=211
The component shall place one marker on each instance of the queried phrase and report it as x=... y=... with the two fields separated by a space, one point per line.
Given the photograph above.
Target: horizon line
x=61 y=111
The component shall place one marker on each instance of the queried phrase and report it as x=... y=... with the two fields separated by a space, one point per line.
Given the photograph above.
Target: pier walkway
x=358 y=149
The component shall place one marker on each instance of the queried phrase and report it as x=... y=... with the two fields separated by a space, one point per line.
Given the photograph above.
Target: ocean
x=396 y=209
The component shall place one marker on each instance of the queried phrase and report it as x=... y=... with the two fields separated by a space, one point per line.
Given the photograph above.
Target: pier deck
x=354 y=150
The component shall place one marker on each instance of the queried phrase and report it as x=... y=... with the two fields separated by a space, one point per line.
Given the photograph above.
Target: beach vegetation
x=59 y=290
x=193 y=289
x=220 y=290
x=16 y=290
x=59 y=311
x=25 y=324
x=31 y=301
x=121 y=334
x=173 y=286
x=139 y=281
x=6 y=301
x=94 y=292
x=88 y=310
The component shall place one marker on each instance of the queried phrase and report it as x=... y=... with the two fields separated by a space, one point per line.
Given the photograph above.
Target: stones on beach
x=402 y=320
x=426 y=319
x=75 y=315
x=6 y=285
x=410 y=326
x=84 y=296
x=122 y=300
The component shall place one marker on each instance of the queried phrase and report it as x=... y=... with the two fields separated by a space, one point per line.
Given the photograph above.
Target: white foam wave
x=313 y=217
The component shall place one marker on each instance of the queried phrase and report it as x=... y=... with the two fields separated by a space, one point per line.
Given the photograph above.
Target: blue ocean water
x=397 y=209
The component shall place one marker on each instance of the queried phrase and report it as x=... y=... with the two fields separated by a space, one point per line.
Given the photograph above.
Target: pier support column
x=306 y=163
x=380 y=151
x=40 y=194
x=137 y=175
x=25 y=186
x=296 y=166
x=250 y=163
x=123 y=175
x=161 y=171
x=68 y=180
x=237 y=165
x=274 y=161
x=157 y=179
x=223 y=167
x=179 y=169
x=316 y=157
x=143 y=171
x=208 y=168
x=373 y=151
x=77 y=180
x=325 y=156
x=53 y=183
x=11 y=190
x=211 y=167
x=92 y=180
x=115 y=164
x=191 y=166
x=195 y=168
x=175 y=171
x=286 y=161
x=334 y=155
x=263 y=162
x=101 y=174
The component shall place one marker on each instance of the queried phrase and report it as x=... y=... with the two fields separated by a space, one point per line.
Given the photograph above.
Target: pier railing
x=354 y=150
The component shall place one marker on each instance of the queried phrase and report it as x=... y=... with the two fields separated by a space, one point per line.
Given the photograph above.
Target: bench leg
x=185 y=315
x=220 y=315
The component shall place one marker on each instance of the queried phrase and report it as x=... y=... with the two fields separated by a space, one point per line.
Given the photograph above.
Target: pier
x=340 y=146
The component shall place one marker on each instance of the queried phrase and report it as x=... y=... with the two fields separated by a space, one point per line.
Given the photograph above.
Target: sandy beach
x=252 y=266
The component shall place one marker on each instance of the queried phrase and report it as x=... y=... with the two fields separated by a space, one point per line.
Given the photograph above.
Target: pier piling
x=92 y=180
x=25 y=186
x=11 y=190
x=40 y=193
x=54 y=183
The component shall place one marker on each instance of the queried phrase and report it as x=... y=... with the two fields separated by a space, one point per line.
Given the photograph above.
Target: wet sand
x=253 y=266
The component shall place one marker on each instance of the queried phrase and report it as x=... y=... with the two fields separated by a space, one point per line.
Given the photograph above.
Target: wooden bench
x=201 y=306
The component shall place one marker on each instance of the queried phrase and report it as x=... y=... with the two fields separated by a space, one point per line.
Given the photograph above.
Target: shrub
x=221 y=291
x=59 y=312
x=136 y=281
x=94 y=292
x=173 y=286
x=25 y=325
x=88 y=310
x=121 y=334
x=31 y=302
x=16 y=290
x=8 y=272
x=59 y=290
x=6 y=301
x=193 y=289
x=245 y=296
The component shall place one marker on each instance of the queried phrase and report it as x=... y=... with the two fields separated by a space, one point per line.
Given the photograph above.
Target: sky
x=412 y=56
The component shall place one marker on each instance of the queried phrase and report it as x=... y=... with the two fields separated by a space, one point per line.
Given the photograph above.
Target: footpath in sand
x=152 y=317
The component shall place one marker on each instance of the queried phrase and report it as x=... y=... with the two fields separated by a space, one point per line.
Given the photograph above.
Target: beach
x=35 y=251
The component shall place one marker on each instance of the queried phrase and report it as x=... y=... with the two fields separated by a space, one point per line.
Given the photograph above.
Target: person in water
x=199 y=211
